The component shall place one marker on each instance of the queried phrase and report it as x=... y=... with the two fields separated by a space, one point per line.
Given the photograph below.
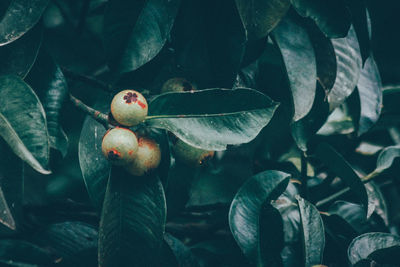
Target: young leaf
x=246 y=208
x=337 y=164
x=19 y=56
x=331 y=16
x=135 y=31
x=313 y=233
x=261 y=16
x=20 y=16
x=214 y=118
x=132 y=221
x=370 y=91
x=23 y=123
x=387 y=157
x=94 y=166
x=298 y=56
x=49 y=83
x=366 y=245
x=348 y=61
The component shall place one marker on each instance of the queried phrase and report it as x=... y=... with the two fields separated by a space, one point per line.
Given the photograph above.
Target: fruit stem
x=95 y=114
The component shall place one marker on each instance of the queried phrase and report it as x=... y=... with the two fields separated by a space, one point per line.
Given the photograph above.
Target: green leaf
x=19 y=56
x=20 y=16
x=135 y=31
x=348 y=61
x=182 y=254
x=366 y=245
x=331 y=16
x=214 y=118
x=370 y=91
x=23 y=123
x=337 y=164
x=305 y=129
x=298 y=56
x=132 y=221
x=73 y=242
x=259 y=17
x=51 y=86
x=313 y=233
x=246 y=208
x=386 y=158
x=11 y=190
x=20 y=251
x=94 y=166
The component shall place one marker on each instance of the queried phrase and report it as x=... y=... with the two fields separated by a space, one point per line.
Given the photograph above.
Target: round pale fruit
x=177 y=85
x=148 y=157
x=129 y=108
x=190 y=155
x=120 y=146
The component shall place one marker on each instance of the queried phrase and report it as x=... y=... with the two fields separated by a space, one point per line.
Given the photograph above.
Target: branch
x=95 y=114
x=86 y=79
x=304 y=176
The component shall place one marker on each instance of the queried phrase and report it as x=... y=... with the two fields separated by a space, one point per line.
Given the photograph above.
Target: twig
x=86 y=79
x=95 y=114
x=304 y=177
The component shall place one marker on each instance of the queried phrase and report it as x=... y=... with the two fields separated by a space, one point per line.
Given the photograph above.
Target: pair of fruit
x=121 y=146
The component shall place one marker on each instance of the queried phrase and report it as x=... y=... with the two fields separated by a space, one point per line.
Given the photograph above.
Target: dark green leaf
x=24 y=252
x=298 y=56
x=259 y=17
x=133 y=220
x=49 y=83
x=211 y=119
x=244 y=214
x=370 y=91
x=23 y=123
x=341 y=120
x=11 y=190
x=182 y=254
x=95 y=167
x=337 y=164
x=75 y=243
x=135 y=31
x=20 y=16
x=18 y=57
x=331 y=16
x=364 y=245
x=313 y=233
x=386 y=158
x=303 y=130
x=348 y=61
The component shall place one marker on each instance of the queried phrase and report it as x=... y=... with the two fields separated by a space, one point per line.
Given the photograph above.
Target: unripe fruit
x=129 y=108
x=191 y=155
x=120 y=146
x=148 y=157
x=177 y=85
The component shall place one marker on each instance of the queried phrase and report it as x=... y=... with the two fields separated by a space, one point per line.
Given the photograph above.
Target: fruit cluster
x=141 y=154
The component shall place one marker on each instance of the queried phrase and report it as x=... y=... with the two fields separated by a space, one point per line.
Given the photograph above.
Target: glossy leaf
x=19 y=56
x=313 y=233
x=259 y=17
x=94 y=166
x=363 y=246
x=24 y=252
x=182 y=254
x=20 y=16
x=348 y=61
x=51 y=86
x=370 y=91
x=244 y=214
x=337 y=164
x=135 y=31
x=212 y=119
x=132 y=221
x=23 y=123
x=331 y=16
x=298 y=56
x=386 y=158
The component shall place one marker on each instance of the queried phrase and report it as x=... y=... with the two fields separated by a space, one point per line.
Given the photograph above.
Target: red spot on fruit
x=113 y=154
x=130 y=98
x=141 y=104
x=130 y=152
